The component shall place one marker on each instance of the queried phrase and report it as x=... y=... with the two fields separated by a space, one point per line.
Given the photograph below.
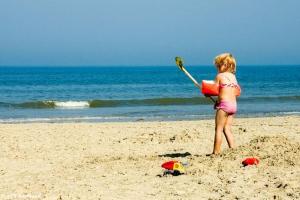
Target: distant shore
x=122 y=160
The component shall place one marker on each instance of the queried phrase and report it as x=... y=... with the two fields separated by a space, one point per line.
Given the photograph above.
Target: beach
x=122 y=160
x=97 y=97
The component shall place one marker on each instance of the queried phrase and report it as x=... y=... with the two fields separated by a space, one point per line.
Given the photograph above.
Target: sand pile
x=274 y=177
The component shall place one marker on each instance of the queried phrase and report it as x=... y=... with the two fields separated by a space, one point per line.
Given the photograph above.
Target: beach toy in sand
x=210 y=88
x=173 y=167
x=250 y=161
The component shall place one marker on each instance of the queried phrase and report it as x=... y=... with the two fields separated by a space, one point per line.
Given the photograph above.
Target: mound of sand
x=274 y=177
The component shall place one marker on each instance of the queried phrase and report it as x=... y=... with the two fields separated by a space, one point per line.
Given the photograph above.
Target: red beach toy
x=174 y=165
x=250 y=161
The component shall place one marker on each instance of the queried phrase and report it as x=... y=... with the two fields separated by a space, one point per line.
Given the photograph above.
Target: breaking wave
x=136 y=102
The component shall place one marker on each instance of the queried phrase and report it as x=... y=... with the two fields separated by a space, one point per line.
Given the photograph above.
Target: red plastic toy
x=169 y=165
x=174 y=165
x=250 y=161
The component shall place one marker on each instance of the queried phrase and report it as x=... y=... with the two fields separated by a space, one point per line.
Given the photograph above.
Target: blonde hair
x=227 y=60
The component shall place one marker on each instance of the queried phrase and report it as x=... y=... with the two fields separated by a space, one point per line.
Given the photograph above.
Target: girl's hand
x=216 y=104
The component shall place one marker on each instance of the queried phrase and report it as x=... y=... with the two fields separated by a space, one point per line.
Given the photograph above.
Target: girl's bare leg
x=228 y=132
x=220 y=121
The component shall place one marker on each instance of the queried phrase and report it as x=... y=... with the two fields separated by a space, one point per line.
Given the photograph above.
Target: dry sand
x=122 y=160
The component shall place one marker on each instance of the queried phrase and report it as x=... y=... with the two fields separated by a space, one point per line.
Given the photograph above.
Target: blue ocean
x=98 y=94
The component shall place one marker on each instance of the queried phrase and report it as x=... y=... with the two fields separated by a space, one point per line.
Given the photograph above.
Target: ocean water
x=63 y=94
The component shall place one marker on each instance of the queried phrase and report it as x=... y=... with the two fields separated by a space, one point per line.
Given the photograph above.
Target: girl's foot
x=212 y=155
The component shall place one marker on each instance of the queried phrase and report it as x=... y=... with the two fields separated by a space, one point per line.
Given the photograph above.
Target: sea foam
x=72 y=104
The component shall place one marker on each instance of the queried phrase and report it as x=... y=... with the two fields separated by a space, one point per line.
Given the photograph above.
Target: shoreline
x=101 y=119
x=122 y=160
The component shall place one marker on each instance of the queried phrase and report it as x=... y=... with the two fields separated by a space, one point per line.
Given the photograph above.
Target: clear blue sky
x=140 y=32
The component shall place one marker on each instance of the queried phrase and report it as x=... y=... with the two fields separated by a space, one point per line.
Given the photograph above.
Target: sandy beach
x=123 y=160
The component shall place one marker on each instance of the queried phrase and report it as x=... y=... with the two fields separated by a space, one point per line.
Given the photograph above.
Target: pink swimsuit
x=229 y=107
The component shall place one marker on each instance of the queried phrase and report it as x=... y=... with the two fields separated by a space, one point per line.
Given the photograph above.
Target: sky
x=148 y=33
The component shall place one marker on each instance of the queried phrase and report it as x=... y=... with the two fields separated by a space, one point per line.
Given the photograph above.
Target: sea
x=138 y=93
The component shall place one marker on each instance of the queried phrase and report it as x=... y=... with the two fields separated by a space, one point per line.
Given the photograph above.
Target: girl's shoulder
x=226 y=76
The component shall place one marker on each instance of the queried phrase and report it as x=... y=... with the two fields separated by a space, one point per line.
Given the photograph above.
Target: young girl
x=226 y=103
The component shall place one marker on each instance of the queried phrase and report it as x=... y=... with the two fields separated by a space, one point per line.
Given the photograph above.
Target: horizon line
x=192 y=65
